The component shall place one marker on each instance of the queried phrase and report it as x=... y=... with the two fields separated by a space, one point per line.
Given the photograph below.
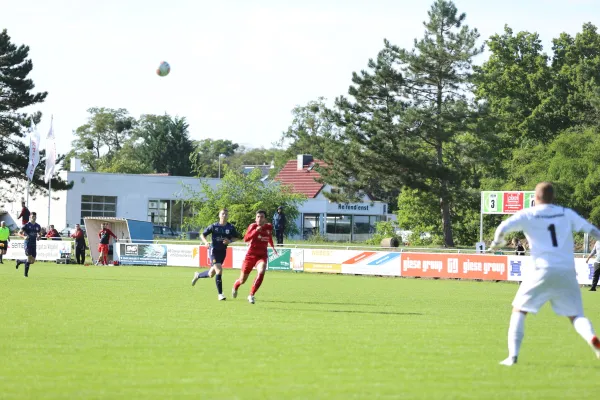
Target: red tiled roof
x=302 y=181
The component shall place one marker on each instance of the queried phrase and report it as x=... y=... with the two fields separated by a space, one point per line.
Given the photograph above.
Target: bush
x=316 y=239
x=383 y=229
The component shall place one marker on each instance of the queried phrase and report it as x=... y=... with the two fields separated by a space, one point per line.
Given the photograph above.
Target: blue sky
x=238 y=67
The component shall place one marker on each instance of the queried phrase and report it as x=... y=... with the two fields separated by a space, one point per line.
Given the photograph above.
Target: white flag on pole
x=34 y=150
x=50 y=154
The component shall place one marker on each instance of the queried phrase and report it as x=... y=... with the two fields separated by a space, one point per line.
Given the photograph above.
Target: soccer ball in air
x=163 y=69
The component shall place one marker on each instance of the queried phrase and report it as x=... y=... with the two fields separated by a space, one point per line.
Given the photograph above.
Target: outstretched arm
x=512 y=224
x=580 y=224
x=591 y=254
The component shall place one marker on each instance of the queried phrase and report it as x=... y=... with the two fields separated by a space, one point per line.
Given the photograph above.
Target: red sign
x=513 y=202
x=359 y=257
x=205 y=260
x=465 y=266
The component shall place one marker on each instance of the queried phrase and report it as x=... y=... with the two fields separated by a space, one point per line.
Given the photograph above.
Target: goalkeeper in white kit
x=549 y=230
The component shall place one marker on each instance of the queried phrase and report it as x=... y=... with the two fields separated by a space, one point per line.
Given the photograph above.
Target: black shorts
x=217 y=256
x=31 y=250
x=5 y=243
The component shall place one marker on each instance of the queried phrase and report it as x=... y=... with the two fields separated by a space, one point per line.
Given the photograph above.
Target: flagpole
x=49 y=197
x=49 y=175
x=28 y=180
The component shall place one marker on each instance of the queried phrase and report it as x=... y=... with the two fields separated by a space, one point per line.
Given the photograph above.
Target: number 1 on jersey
x=552 y=230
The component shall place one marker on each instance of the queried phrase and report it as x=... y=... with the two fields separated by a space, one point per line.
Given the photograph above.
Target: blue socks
x=219 y=282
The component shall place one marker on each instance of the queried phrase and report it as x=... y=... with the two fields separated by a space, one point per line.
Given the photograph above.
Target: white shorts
x=559 y=286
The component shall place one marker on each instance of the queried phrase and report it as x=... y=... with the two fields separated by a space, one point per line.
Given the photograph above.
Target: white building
x=157 y=198
x=154 y=198
x=318 y=215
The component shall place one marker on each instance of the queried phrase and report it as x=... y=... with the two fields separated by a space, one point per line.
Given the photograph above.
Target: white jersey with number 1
x=549 y=230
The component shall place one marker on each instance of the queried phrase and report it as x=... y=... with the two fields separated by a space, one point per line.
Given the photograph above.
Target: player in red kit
x=104 y=235
x=259 y=235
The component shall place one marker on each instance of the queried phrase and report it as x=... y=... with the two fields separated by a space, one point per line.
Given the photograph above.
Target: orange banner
x=464 y=266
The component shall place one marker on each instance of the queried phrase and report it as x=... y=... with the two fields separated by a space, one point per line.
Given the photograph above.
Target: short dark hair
x=223 y=209
x=34 y=213
x=263 y=212
x=545 y=192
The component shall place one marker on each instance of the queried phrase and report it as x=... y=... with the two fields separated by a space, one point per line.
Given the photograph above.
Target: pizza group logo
x=131 y=250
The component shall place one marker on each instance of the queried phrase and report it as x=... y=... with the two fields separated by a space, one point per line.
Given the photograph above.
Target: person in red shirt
x=52 y=233
x=24 y=215
x=104 y=235
x=259 y=235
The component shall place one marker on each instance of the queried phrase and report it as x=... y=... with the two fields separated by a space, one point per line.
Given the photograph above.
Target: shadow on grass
x=320 y=302
x=346 y=311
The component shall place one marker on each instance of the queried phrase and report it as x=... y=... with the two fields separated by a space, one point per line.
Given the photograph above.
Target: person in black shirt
x=222 y=233
x=279 y=223
x=520 y=251
x=79 y=244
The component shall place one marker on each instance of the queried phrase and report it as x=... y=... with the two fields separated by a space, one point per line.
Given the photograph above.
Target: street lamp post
x=220 y=156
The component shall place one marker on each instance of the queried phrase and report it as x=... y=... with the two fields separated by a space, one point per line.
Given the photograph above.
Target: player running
x=549 y=230
x=259 y=235
x=222 y=233
x=31 y=231
x=104 y=235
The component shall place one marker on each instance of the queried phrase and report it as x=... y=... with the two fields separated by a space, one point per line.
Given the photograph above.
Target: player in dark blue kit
x=222 y=233
x=31 y=232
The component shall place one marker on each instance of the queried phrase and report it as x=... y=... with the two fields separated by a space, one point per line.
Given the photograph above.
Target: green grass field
x=71 y=332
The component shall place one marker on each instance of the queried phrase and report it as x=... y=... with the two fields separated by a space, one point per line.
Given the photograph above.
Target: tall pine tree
x=403 y=126
x=15 y=94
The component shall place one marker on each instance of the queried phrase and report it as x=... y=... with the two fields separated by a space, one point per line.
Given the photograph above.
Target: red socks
x=105 y=260
x=237 y=284
x=256 y=284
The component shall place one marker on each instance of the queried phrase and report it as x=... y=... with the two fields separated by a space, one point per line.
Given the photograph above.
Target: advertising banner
x=585 y=271
x=327 y=260
x=238 y=255
x=297 y=259
x=506 y=202
x=281 y=262
x=519 y=267
x=180 y=255
x=142 y=254
x=47 y=250
x=463 y=266
x=205 y=259
x=373 y=263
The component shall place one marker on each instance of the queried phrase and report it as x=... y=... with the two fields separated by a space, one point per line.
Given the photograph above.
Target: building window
x=362 y=224
x=98 y=206
x=339 y=227
x=310 y=225
x=158 y=212
x=364 y=227
x=171 y=213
